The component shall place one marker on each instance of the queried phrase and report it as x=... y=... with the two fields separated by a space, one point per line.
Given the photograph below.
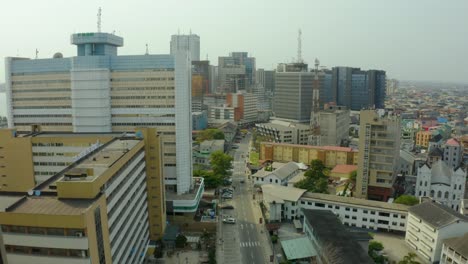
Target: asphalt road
x=242 y=243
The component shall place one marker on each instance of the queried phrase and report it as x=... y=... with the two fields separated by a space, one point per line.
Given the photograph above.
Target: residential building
x=293 y=93
x=455 y=250
x=100 y=209
x=245 y=106
x=284 y=132
x=329 y=155
x=442 y=183
x=453 y=153
x=99 y=91
x=379 y=150
x=423 y=137
x=279 y=176
x=189 y=43
x=202 y=155
x=334 y=125
x=353 y=212
x=429 y=224
x=236 y=72
x=333 y=243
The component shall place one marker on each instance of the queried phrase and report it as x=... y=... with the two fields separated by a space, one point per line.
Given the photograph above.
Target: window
x=309 y=203
x=364 y=219
x=337 y=207
x=320 y=205
x=354 y=218
x=365 y=211
x=446 y=196
x=439 y=194
x=432 y=193
x=372 y=212
x=402 y=224
x=354 y=210
x=394 y=223
x=330 y=206
x=346 y=216
x=302 y=202
x=372 y=220
x=347 y=208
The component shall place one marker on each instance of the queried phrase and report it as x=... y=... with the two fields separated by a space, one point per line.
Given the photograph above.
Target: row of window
x=47 y=251
x=142 y=97
x=40 y=99
x=52 y=163
x=146 y=88
x=46 y=115
x=43 y=124
x=144 y=106
x=143 y=124
x=43 y=230
x=141 y=79
x=49 y=90
x=43 y=107
x=41 y=82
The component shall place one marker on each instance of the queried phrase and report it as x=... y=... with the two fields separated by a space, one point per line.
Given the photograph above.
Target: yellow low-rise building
x=329 y=155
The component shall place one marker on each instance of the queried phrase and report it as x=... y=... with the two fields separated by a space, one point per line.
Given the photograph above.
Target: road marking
x=249 y=244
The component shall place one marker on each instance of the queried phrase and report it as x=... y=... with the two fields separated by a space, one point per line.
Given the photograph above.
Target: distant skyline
x=411 y=40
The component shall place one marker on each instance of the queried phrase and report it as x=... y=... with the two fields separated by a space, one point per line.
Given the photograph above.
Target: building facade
x=429 y=224
x=442 y=183
x=334 y=126
x=284 y=132
x=190 y=43
x=454 y=250
x=379 y=150
x=245 y=106
x=99 y=91
x=236 y=72
x=329 y=155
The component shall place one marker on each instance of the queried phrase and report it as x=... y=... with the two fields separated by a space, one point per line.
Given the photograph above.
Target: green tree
x=211 y=180
x=210 y=134
x=315 y=178
x=220 y=163
x=375 y=246
x=353 y=176
x=180 y=241
x=409 y=259
x=374 y=252
x=407 y=199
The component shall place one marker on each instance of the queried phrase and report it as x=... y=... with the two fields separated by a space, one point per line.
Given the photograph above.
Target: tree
x=353 y=176
x=211 y=180
x=374 y=252
x=407 y=199
x=220 y=163
x=409 y=259
x=210 y=134
x=375 y=246
x=315 y=178
x=180 y=241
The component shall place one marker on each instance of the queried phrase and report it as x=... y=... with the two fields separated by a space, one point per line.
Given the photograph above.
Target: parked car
x=227 y=207
x=227 y=196
x=229 y=220
x=242 y=181
x=235 y=147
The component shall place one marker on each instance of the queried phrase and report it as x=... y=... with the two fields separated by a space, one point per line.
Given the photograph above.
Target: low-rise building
x=330 y=239
x=423 y=138
x=329 y=155
x=442 y=183
x=202 y=155
x=343 y=171
x=279 y=176
x=287 y=203
x=429 y=224
x=455 y=250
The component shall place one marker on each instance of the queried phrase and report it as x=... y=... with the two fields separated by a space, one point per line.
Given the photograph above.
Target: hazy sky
x=411 y=40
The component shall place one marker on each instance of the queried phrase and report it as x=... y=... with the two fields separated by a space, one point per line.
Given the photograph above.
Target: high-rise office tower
x=354 y=88
x=379 y=148
x=293 y=92
x=236 y=72
x=190 y=43
x=99 y=91
x=200 y=83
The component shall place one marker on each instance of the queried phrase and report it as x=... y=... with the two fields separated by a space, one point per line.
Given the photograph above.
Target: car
x=227 y=207
x=235 y=147
x=229 y=220
x=227 y=190
x=226 y=196
x=242 y=181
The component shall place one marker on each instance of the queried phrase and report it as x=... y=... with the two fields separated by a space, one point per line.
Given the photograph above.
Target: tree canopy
x=407 y=199
x=409 y=259
x=210 y=134
x=374 y=248
x=315 y=178
x=220 y=163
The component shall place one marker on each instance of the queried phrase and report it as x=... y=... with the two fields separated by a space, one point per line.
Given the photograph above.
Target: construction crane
x=314 y=137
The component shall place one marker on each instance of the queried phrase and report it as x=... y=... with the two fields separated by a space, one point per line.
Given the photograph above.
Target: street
x=242 y=242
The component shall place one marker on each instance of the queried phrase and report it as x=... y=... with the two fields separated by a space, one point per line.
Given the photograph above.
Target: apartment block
x=454 y=250
x=429 y=224
x=379 y=151
x=329 y=155
x=423 y=138
x=99 y=91
x=103 y=208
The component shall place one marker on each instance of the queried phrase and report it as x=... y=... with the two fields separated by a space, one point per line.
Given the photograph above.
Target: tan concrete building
x=423 y=138
x=334 y=125
x=379 y=145
x=330 y=155
x=19 y=165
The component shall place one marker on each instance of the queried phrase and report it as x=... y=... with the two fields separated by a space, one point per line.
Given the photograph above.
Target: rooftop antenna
x=299 y=47
x=37 y=52
x=146 y=49
x=99 y=20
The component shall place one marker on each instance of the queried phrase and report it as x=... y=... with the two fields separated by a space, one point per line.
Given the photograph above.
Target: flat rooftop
x=52 y=206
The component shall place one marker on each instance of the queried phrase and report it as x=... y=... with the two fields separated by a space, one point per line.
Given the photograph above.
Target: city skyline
x=401 y=38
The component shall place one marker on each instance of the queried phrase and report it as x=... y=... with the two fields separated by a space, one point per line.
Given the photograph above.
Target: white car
x=229 y=220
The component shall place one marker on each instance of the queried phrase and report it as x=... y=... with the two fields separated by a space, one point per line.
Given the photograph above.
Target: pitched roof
x=441 y=173
x=459 y=244
x=284 y=171
x=435 y=214
x=344 y=168
x=298 y=248
x=279 y=194
x=452 y=142
x=330 y=232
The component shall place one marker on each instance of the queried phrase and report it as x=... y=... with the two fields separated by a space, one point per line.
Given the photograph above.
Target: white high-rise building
x=189 y=43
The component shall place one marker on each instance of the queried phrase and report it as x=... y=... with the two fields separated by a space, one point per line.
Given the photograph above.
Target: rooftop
x=298 y=248
x=279 y=194
x=8 y=200
x=459 y=244
x=356 y=201
x=51 y=206
x=344 y=168
x=330 y=232
x=452 y=142
x=436 y=215
x=333 y=148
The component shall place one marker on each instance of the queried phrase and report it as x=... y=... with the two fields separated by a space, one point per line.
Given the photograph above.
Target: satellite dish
x=30 y=192
x=37 y=193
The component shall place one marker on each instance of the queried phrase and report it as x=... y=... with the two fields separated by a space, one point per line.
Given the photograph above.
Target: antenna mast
x=147 y=52
x=299 y=47
x=99 y=20
x=37 y=53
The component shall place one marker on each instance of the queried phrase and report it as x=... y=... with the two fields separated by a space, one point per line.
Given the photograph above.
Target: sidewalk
x=264 y=239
